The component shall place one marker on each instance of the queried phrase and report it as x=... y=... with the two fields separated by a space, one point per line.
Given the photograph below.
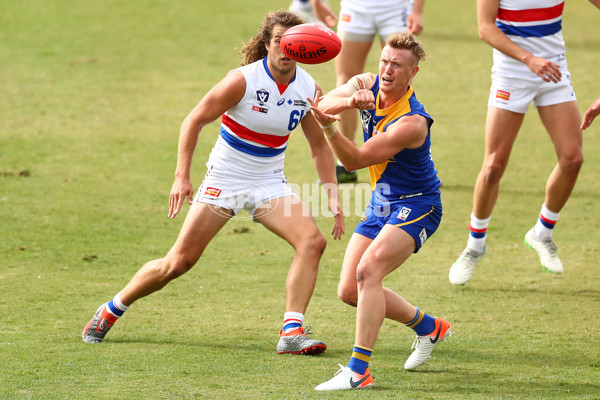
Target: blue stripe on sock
x=547 y=224
x=359 y=366
x=113 y=309
x=478 y=235
x=292 y=325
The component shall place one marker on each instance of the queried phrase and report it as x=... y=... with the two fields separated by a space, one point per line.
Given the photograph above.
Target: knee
x=493 y=170
x=173 y=267
x=366 y=275
x=313 y=245
x=348 y=294
x=572 y=163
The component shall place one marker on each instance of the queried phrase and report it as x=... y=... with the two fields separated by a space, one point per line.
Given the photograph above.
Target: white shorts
x=236 y=195
x=514 y=93
x=360 y=23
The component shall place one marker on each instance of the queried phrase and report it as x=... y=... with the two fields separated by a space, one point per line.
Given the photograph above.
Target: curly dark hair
x=255 y=49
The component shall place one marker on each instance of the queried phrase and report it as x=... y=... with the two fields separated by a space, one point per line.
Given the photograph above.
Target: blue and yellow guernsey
x=410 y=172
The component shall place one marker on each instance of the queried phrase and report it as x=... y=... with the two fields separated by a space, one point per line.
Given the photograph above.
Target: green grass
x=91 y=98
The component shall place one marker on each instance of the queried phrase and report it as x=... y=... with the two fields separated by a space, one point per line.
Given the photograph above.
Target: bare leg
x=501 y=130
x=201 y=225
x=396 y=307
x=562 y=122
x=290 y=219
x=387 y=252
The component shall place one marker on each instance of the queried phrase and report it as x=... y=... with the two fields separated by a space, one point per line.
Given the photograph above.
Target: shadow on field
x=532 y=289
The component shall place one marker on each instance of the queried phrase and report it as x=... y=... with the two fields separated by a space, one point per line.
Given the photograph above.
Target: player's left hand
x=339 y=225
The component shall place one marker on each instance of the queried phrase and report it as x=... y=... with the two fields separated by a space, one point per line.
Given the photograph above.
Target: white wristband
x=329 y=130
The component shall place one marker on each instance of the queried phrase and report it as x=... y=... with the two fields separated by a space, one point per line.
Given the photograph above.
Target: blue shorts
x=418 y=216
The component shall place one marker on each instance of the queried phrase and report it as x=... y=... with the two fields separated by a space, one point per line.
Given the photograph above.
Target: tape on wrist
x=329 y=130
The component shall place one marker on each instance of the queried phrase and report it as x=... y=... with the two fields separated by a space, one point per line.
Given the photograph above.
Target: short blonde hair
x=406 y=41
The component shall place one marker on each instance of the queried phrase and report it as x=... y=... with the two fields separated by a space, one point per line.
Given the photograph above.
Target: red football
x=310 y=43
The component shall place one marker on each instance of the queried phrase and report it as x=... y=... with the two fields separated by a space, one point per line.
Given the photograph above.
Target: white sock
x=292 y=320
x=478 y=228
x=545 y=224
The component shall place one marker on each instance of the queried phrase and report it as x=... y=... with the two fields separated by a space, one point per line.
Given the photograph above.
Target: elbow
x=350 y=165
x=482 y=32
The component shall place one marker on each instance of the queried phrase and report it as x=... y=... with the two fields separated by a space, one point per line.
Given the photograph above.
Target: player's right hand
x=545 y=69
x=181 y=189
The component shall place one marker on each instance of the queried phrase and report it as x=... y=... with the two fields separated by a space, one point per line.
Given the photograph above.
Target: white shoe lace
x=416 y=343
x=341 y=370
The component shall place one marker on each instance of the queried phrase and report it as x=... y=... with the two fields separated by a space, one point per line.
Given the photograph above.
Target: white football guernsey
x=254 y=133
x=533 y=25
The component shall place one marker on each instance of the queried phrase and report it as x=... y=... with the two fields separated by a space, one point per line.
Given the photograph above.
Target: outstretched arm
x=408 y=132
x=353 y=94
x=325 y=166
x=219 y=99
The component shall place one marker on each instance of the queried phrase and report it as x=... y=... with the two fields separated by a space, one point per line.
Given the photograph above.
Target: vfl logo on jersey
x=212 y=192
x=365 y=118
x=502 y=94
x=403 y=214
x=423 y=236
x=262 y=96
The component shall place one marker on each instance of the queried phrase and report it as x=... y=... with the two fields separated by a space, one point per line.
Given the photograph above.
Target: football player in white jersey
x=260 y=104
x=529 y=66
x=359 y=22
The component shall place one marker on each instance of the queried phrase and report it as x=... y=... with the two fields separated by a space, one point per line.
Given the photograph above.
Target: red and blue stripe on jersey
x=275 y=144
x=526 y=19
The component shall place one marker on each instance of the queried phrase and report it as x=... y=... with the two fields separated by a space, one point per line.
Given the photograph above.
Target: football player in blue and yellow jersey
x=405 y=207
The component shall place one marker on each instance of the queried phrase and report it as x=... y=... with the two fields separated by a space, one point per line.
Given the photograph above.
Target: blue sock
x=422 y=323
x=359 y=362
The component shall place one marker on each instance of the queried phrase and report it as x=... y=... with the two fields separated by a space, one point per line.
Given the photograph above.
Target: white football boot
x=463 y=268
x=546 y=249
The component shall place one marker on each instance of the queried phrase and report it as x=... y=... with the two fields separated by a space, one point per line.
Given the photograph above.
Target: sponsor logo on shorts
x=423 y=236
x=502 y=94
x=404 y=211
x=213 y=192
x=346 y=17
x=260 y=109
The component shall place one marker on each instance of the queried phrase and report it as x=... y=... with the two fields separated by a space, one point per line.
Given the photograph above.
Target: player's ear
x=415 y=69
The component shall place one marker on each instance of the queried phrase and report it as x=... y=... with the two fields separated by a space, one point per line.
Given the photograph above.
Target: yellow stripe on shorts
x=415 y=220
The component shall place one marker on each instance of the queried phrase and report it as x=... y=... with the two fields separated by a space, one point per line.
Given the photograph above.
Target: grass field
x=92 y=94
